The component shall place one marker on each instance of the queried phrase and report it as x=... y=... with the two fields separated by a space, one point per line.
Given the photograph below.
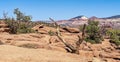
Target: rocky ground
x=12 y=43
x=37 y=47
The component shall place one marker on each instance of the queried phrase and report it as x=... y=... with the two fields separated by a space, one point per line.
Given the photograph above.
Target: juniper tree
x=21 y=16
x=93 y=32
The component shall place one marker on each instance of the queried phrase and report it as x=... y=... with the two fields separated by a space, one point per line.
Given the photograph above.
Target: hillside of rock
x=43 y=47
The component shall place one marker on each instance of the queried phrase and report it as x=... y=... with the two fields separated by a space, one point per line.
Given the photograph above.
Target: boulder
x=71 y=30
x=43 y=29
x=37 y=27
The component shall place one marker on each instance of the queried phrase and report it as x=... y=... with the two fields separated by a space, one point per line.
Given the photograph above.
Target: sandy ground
x=10 y=53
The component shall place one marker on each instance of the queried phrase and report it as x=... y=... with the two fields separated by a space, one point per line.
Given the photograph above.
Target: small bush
x=51 y=33
x=93 y=32
x=22 y=23
x=19 y=27
x=29 y=45
x=89 y=40
x=115 y=41
x=114 y=36
x=24 y=28
x=12 y=25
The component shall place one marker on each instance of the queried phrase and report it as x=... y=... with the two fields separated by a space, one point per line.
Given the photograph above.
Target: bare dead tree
x=70 y=48
x=81 y=39
x=5 y=15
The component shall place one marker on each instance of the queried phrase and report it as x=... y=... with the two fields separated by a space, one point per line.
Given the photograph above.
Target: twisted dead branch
x=70 y=48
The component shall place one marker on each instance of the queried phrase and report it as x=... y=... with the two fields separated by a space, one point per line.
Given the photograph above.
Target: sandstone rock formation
x=3 y=27
x=71 y=30
x=104 y=52
x=45 y=29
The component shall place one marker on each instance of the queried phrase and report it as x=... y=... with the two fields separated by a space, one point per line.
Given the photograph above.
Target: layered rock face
x=45 y=29
x=113 y=21
x=4 y=27
x=104 y=52
x=107 y=51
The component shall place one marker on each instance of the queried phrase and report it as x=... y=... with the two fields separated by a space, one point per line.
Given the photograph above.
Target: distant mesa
x=113 y=21
x=79 y=18
x=93 y=18
x=82 y=17
x=112 y=17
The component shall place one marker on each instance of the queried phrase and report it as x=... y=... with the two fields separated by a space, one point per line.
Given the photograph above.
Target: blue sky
x=61 y=9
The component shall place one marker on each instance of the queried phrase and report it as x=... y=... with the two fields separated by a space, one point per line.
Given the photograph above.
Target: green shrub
x=51 y=33
x=19 y=27
x=22 y=23
x=13 y=25
x=24 y=28
x=114 y=36
x=115 y=39
x=90 y=40
x=20 y=16
x=93 y=32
